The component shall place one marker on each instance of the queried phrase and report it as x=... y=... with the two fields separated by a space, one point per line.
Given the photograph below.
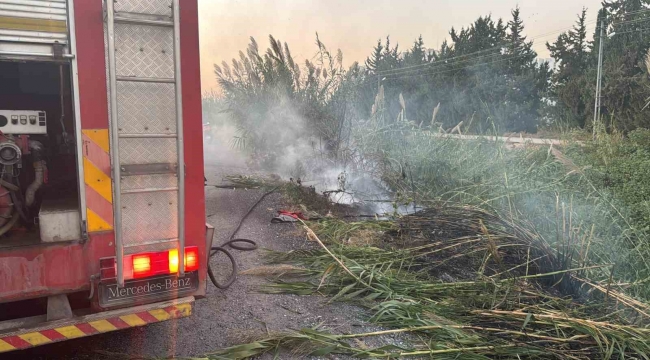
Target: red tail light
x=142 y=266
x=150 y=264
x=191 y=259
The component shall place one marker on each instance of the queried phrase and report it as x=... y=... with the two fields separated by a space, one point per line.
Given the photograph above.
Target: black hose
x=232 y=243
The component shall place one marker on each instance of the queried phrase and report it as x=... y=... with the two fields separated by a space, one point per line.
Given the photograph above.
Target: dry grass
x=365 y=237
x=519 y=299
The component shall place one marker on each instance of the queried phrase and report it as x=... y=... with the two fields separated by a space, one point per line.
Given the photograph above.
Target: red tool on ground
x=288 y=216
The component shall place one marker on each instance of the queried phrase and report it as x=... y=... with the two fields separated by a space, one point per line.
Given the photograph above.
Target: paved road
x=224 y=317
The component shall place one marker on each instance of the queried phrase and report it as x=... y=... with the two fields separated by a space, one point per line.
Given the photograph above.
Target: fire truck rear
x=101 y=167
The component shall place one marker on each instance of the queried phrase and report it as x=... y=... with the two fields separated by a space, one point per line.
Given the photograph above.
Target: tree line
x=486 y=76
x=489 y=76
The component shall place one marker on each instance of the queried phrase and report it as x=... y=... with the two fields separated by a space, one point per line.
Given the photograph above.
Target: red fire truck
x=102 y=220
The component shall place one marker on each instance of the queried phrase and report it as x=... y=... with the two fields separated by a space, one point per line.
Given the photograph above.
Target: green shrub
x=621 y=166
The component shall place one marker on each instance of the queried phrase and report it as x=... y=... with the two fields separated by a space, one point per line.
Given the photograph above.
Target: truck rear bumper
x=107 y=321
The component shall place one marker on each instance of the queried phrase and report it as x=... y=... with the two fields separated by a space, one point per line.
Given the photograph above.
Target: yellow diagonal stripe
x=97 y=180
x=99 y=137
x=184 y=309
x=45 y=25
x=133 y=320
x=160 y=314
x=5 y=346
x=96 y=223
x=35 y=338
x=70 y=332
x=102 y=326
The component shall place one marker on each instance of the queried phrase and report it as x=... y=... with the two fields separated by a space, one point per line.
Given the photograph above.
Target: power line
x=419 y=72
x=448 y=70
x=501 y=46
x=441 y=60
x=627 y=22
x=447 y=62
x=537 y=37
x=424 y=71
x=522 y=47
x=406 y=73
x=433 y=73
x=508 y=58
x=633 y=31
x=633 y=12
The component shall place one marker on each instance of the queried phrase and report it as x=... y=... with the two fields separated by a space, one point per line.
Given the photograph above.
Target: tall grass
x=539 y=187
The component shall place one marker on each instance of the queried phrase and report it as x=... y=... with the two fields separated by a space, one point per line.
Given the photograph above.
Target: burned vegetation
x=462 y=283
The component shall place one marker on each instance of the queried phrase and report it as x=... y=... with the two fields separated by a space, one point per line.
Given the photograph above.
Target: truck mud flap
x=93 y=324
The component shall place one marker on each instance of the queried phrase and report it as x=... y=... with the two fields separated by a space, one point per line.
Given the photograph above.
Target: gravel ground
x=227 y=317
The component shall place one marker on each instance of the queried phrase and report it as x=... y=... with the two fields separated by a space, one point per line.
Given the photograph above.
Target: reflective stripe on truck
x=54 y=331
x=97 y=179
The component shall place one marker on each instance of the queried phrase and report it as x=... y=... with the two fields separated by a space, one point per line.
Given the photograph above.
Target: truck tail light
x=142 y=266
x=173 y=261
x=150 y=264
x=191 y=260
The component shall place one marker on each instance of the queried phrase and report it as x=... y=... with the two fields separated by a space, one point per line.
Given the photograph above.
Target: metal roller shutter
x=33 y=28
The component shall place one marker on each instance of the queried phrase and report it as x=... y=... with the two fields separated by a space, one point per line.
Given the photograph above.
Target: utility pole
x=599 y=81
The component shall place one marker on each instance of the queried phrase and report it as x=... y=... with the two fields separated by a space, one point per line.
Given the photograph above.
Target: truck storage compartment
x=33 y=29
x=39 y=190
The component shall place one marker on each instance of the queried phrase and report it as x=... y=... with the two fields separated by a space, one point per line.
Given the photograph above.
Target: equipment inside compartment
x=38 y=167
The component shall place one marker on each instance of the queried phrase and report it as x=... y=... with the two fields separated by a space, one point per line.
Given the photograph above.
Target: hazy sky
x=354 y=26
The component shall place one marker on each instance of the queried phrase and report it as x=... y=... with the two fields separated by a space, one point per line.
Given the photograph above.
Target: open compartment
x=39 y=183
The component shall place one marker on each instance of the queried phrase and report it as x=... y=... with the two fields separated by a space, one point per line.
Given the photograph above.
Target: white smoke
x=294 y=153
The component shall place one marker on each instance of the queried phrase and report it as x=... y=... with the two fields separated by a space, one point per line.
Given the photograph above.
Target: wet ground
x=225 y=317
